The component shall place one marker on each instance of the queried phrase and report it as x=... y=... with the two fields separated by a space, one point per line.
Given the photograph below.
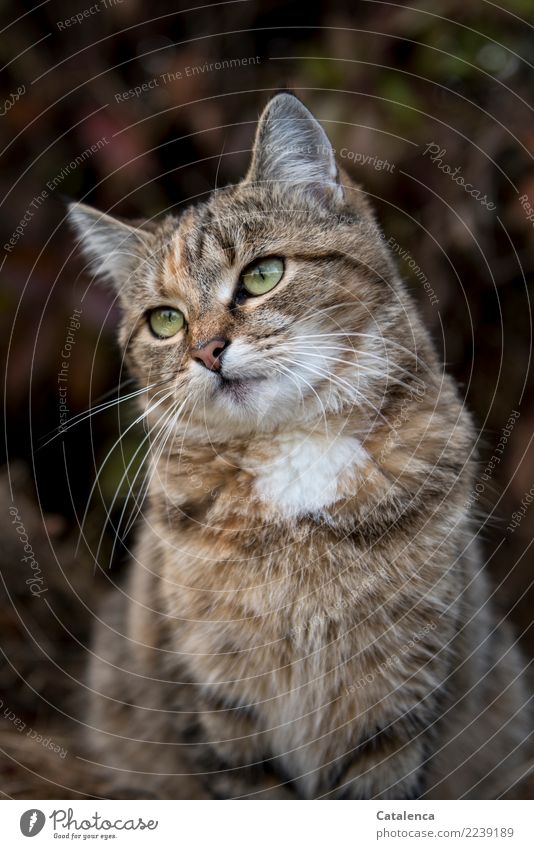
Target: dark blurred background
x=387 y=80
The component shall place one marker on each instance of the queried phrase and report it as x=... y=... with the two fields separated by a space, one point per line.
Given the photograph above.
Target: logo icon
x=31 y=822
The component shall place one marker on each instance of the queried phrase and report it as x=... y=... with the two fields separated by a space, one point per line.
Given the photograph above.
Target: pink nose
x=210 y=352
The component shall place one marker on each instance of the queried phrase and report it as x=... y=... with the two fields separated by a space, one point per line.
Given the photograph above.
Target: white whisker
x=362 y=368
x=80 y=417
x=166 y=416
x=310 y=386
x=167 y=429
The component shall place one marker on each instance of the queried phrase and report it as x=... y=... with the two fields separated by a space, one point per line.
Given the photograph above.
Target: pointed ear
x=114 y=249
x=291 y=147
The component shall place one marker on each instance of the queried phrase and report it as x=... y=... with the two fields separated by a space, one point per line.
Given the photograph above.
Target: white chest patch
x=304 y=473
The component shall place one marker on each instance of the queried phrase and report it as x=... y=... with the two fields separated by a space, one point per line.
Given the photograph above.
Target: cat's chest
x=292 y=688
x=302 y=473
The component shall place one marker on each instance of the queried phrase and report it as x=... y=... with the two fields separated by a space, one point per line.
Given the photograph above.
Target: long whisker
x=313 y=311
x=383 y=339
x=166 y=415
x=388 y=363
x=286 y=371
x=185 y=428
x=358 y=366
x=80 y=417
x=95 y=404
x=307 y=384
x=181 y=444
x=340 y=382
x=156 y=450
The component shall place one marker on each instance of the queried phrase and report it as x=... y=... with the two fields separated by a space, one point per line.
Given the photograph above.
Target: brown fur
x=305 y=614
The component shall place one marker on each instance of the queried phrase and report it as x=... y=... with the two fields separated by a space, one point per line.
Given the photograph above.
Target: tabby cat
x=305 y=614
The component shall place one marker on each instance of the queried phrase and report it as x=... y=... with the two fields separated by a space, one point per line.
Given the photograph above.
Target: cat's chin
x=241 y=404
x=242 y=399
x=251 y=404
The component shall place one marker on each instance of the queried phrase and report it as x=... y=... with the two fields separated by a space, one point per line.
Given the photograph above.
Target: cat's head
x=272 y=301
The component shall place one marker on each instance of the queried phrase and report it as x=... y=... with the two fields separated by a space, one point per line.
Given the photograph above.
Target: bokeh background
x=387 y=80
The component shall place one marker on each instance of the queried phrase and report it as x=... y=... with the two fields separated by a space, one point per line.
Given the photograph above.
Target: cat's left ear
x=292 y=148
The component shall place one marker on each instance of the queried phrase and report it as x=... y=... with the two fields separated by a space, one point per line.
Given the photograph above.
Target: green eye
x=166 y=322
x=263 y=276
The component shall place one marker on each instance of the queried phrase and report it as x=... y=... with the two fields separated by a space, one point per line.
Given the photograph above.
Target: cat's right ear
x=114 y=249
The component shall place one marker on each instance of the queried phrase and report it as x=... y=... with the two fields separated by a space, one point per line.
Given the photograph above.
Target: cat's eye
x=166 y=322
x=263 y=276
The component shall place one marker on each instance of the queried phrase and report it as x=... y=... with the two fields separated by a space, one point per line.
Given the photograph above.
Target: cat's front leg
x=387 y=765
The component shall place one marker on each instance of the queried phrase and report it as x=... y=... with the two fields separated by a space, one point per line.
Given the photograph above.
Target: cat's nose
x=210 y=352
